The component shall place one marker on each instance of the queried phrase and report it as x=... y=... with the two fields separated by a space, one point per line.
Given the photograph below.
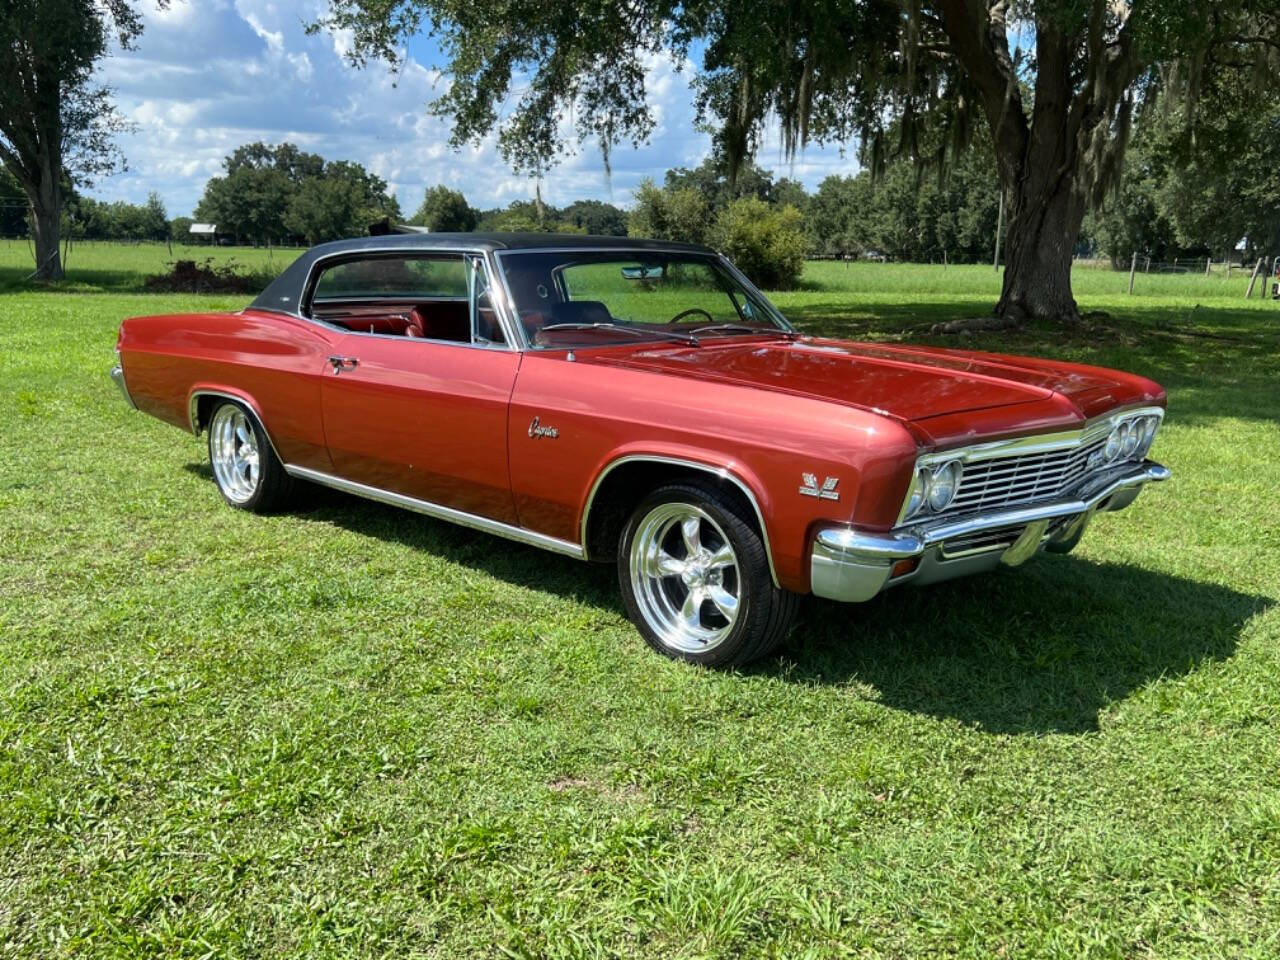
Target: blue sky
x=209 y=75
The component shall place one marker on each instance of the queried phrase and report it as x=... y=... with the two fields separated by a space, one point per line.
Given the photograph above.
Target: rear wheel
x=249 y=474
x=695 y=578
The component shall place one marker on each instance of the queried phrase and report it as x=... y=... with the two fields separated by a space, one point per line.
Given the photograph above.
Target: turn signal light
x=903 y=567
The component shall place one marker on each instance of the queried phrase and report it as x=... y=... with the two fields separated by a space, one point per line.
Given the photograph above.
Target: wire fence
x=1262 y=275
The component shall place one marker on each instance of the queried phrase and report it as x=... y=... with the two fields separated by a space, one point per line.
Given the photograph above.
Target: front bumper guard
x=851 y=565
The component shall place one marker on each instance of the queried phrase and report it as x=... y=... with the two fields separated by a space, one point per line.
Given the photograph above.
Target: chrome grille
x=1021 y=478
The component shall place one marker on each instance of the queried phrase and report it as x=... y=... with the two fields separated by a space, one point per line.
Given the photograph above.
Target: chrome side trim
x=722 y=473
x=193 y=407
x=117 y=376
x=440 y=512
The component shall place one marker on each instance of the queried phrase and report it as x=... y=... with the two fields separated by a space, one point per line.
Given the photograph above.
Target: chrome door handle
x=342 y=363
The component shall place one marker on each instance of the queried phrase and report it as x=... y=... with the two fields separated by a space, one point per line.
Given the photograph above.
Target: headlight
x=1149 y=426
x=1114 y=441
x=915 y=497
x=1130 y=435
x=943 y=485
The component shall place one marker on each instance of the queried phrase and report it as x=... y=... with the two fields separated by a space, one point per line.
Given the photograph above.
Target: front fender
x=676 y=455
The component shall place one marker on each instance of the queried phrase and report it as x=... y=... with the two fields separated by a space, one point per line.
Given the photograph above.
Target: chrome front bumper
x=852 y=565
x=117 y=375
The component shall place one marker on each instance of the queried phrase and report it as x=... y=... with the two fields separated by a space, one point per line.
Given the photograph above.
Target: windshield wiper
x=743 y=328
x=687 y=338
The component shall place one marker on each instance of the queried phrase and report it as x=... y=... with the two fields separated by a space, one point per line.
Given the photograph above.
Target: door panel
x=425 y=419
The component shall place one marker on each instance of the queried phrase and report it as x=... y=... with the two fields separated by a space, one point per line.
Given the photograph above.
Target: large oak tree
x=1054 y=85
x=56 y=124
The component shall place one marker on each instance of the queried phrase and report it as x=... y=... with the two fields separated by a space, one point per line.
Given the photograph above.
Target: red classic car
x=642 y=404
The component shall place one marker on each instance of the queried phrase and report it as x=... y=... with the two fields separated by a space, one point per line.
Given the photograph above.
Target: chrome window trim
x=723 y=473
x=308 y=290
x=1087 y=433
x=440 y=512
x=527 y=344
x=400 y=338
x=380 y=299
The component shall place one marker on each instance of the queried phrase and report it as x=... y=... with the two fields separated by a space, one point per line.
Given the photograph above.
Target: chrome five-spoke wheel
x=244 y=463
x=696 y=578
x=233 y=452
x=684 y=574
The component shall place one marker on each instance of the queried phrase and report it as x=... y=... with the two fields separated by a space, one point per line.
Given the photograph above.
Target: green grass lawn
x=352 y=731
x=96 y=265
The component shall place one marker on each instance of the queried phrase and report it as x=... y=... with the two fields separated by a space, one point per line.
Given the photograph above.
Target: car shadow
x=1045 y=648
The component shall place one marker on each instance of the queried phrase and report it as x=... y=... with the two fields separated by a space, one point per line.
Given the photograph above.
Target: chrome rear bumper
x=852 y=565
x=117 y=375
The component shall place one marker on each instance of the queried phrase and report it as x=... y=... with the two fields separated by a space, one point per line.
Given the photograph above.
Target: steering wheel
x=684 y=313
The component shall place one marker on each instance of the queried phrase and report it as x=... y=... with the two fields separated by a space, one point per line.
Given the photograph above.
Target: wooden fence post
x=1208 y=262
x=1133 y=266
x=1253 y=279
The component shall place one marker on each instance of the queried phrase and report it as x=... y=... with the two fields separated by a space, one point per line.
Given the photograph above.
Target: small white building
x=209 y=230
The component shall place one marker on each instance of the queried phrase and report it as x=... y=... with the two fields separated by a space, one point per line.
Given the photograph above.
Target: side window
x=431 y=297
x=392 y=277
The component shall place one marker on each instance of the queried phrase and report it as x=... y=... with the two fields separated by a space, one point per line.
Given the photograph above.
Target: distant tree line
x=87 y=219
x=1174 y=201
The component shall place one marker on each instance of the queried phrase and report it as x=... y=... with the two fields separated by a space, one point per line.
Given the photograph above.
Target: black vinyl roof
x=285 y=292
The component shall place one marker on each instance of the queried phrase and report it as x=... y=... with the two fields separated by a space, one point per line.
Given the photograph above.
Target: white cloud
x=209 y=75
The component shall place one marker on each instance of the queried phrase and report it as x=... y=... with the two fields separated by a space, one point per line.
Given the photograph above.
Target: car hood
x=911 y=384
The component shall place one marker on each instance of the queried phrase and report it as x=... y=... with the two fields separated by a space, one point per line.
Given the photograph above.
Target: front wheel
x=695 y=578
x=249 y=474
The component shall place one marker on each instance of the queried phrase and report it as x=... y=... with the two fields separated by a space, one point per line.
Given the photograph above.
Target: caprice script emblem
x=809 y=487
x=536 y=430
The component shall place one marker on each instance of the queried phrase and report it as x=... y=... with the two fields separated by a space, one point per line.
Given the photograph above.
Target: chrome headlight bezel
x=924 y=481
x=1115 y=440
x=1150 y=424
x=945 y=478
x=916 y=492
x=1131 y=433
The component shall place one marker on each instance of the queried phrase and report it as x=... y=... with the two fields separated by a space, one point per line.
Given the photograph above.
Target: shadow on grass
x=1041 y=649
x=16 y=280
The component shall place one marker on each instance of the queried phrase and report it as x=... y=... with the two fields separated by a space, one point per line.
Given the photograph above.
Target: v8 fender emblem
x=809 y=487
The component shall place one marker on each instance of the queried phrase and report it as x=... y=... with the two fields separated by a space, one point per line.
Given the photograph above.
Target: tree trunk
x=47 y=234
x=46 y=209
x=1044 y=224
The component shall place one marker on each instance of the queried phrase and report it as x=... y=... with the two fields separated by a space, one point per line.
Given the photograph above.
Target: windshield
x=597 y=298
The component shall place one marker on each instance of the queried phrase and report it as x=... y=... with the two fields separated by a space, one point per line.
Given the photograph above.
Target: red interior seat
x=444 y=320
x=415 y=325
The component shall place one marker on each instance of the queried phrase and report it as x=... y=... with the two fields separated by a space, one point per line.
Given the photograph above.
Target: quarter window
x=381 y=277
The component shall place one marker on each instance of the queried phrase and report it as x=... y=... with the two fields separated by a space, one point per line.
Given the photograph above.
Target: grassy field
x=350 y=731
x=94 y=265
